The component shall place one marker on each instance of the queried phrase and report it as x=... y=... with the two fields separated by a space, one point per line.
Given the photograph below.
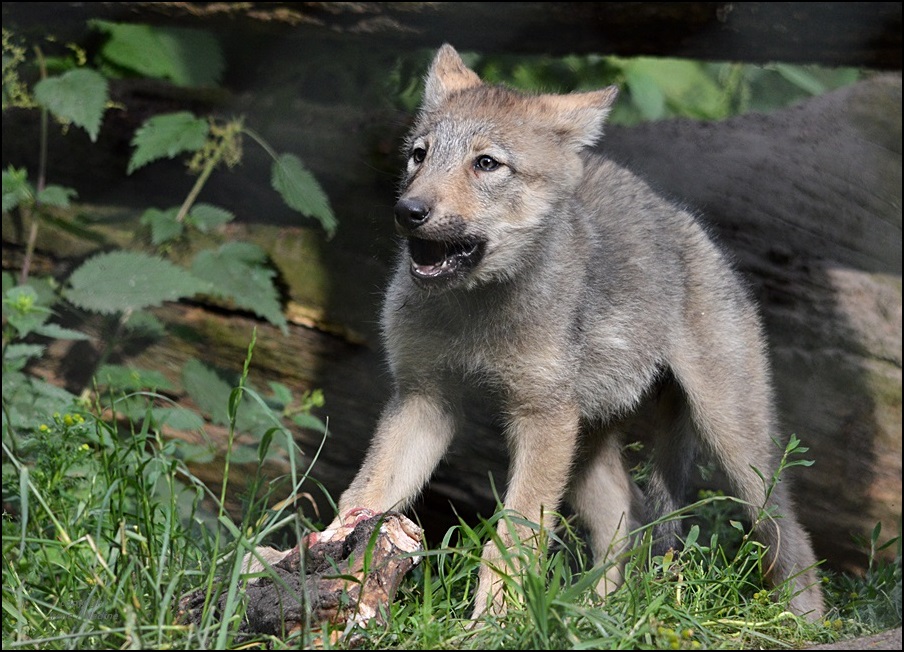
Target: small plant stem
x=225 y=142
x=42 y=180
x=199 y=184
x=260 y=141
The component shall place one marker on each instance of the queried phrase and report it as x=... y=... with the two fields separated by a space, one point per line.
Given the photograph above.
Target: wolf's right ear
x=447 y=74
x=578 y=118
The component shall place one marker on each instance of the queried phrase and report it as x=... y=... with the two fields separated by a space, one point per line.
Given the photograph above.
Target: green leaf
x=281 y=393
x=301 y=192
x=238 y=271
x=684 y=85
x=194 y=453
x=178 y=418
x=206 y=217
x=309 y=421
x=264 y=445
x=16 y=188
x=163 y=224
x=23 y=311
x=166 y=136
x=57 y=332
x=131 y=378
x=243 y=455
x=802 y=78
x=78 y=96
x=115 y=282
x=29 y=401
x=208 y=391
x=692 y=536
x=211 y=393
x=645 y=94
x=22 y=351
x=145 y=325
x=187 y=57
x=57 y=196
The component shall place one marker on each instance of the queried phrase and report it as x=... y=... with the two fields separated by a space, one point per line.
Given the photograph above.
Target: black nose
x=411 y=213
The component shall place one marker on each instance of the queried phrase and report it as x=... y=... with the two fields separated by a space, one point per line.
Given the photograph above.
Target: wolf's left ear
x=447 y=74
x=579 y=117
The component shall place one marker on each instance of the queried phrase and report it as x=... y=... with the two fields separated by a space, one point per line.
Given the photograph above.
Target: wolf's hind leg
x=608 y=503
x=673 y=457
x=734 y=419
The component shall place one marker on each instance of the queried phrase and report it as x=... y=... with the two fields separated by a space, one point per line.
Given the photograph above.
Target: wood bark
x=830 y=33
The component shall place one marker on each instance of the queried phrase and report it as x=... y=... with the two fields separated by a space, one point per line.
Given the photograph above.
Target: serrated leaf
x=206 y=217
x=78 y=96
x=301 y=192
x=23 y=311
x=16 y=188
x=646 y=95
x=57 y=332
x=211 y=393
x=281 y=393
x=207 y=389
x=187 y=57
x=238 y=271
x=166 y=136
x=128 y=378
x=163 y=224
x=194 y=453
x=243 y=455
x=309 y=421
x=145 y=325
x=178 y=418
x=23 y=351
x=57 y=196
x=115 y=282
x=28 y=401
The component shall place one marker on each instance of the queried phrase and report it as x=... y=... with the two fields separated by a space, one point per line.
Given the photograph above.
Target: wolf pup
x=540 y=270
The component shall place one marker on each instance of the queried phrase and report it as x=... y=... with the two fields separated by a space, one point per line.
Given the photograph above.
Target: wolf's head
x=488 y=170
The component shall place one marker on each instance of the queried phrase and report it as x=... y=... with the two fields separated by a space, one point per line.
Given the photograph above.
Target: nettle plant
x=121 y=286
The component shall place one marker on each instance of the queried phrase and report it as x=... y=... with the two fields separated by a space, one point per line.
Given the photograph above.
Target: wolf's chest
x=461 y=339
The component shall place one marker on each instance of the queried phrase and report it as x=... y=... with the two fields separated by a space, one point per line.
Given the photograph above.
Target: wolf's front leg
x=413 y=433
x=542 y=443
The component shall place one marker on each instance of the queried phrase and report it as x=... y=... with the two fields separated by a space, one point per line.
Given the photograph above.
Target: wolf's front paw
x=490 y=596
x=341 y=526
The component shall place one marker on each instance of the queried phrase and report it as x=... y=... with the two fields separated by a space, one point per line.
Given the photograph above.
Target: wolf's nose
x=411 y=213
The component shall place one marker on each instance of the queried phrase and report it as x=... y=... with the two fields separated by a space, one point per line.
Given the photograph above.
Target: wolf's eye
x=418 y=154
x=486 y=163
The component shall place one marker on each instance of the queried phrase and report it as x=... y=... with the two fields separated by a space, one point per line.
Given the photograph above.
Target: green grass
x=105 y=528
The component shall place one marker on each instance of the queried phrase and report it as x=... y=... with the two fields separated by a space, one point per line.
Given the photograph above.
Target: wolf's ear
x=447 y=74
x=579 y=117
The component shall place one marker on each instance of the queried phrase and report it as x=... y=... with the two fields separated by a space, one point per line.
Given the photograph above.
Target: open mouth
x=436 y=259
